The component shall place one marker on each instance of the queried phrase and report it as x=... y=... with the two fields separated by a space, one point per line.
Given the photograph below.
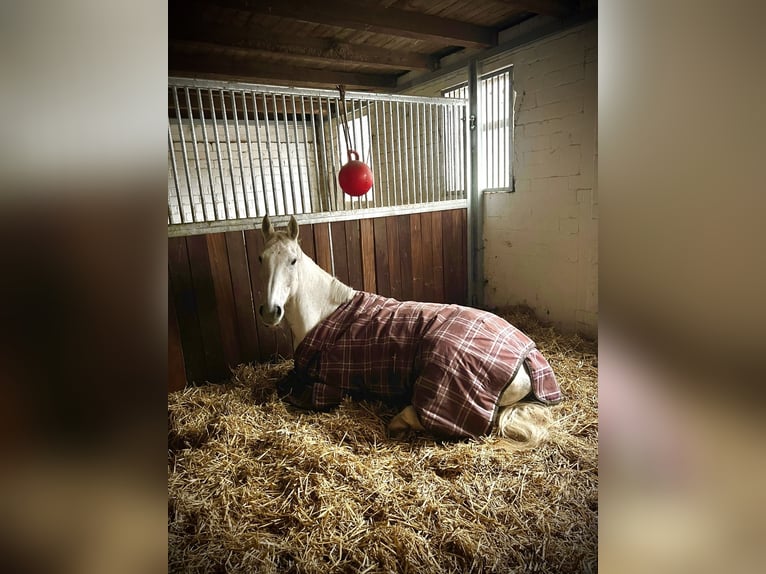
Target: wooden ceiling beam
x=555 y=8
x=197 y=65
x=370 y=18
x=260 y=39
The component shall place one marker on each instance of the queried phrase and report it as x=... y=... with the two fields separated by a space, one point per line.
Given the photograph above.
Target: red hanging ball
x=355 y=177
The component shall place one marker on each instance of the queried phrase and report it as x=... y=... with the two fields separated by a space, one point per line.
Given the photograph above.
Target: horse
x=454 y=371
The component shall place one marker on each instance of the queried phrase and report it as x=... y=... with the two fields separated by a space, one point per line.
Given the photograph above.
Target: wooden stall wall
x=214 y=292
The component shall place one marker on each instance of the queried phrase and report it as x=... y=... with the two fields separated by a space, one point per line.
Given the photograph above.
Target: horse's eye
x=260 y=259
x=293 y=262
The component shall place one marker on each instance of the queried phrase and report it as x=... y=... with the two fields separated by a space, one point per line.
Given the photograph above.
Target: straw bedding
x=257 y=486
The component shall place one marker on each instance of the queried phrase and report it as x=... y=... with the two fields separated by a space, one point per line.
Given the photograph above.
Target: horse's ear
x=292 y=228
x=267 y=228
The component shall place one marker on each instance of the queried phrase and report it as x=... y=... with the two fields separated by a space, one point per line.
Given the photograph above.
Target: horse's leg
x=404 y=422
x=525 y=424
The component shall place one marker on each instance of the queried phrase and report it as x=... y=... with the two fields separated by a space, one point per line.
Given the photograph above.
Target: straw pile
x=257 y=486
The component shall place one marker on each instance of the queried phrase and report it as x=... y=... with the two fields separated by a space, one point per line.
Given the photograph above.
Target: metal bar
x=279 y=90
x=417 y=192
x=268 y=152
x=441 y=134
x=335 y=152
x=308 y=204
x=287 y=152
x=385 y=150
x=184 y=155
x=496 y=129
x=317 y=168
x=353 y=132
x=297 y=158
x=376 y=171
x=326 y=200
x=196 y=153
x=231 y=160
x=400 y=181
x=239 y=154
x=473 y=194
x=508 y=128
x=261 y=173
x=431 y=151
x=220 y=159
x=249 y=157
x=451 y=159
x=362 y=137
x=318 y=217
x=175 y=176
x=422 y=171
x=285 y=208
x=207 y=149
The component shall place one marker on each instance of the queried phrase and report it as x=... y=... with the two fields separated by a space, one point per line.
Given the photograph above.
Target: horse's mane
x=339 y=291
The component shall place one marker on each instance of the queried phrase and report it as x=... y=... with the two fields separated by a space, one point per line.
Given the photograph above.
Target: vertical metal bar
x=220 y=160
x=268 y=152
x=407 y=155
x=474 y=216
x=353 y=132
x=501 y=130
x=509 y=128
x=400 y=180
x=363 y=153
x=438 y=150
x=249 y=156
x=335 y=152
x=172 y=151
x=287 y=152
x=301 y=193
x=376 y=170
x=207 y=149
x=417 y=174
x=326 y=201
x=231 y=161
x=317 y=168
x=495 y=131
x=262 y=174
x=484 y=154
x=409 y=137
x=196 y=153
x=420 y=132
x=385 y=150
x=308 y=204
x=184 y=155
x=239 y=152
x=430 y=151
x=285 y=208
x=462 y=128
x=450 y=155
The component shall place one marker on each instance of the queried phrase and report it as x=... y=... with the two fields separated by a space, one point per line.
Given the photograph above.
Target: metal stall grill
x=237 y=152
x=495 y=124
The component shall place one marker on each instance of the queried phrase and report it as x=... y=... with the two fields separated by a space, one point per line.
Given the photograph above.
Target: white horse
x=297 y=290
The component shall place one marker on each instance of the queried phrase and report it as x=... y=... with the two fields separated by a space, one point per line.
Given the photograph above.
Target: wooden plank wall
x=214 y=294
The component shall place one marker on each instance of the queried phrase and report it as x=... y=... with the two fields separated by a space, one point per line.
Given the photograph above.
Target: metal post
x=475 y=232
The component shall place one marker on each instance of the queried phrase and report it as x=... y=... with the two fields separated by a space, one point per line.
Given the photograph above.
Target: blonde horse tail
x=525 y=424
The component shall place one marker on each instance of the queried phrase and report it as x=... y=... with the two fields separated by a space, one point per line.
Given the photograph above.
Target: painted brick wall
x=541 y=242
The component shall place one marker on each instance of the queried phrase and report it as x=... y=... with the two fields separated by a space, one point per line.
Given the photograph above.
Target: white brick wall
x=541 y=242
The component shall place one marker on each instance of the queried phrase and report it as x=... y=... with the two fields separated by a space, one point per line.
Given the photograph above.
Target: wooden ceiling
x=361 y=44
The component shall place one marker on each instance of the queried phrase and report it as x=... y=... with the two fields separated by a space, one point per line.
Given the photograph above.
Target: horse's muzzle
x=271 y=315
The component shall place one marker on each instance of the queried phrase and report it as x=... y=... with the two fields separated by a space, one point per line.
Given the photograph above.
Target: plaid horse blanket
x=450 y=362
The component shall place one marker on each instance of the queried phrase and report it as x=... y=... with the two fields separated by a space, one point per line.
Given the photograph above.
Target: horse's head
x=278 y=269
